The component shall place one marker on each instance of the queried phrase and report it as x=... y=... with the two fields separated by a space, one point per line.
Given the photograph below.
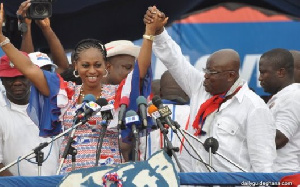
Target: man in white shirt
x=296 y=56
x=222 y=105
x=277 y=78
x=18 y=134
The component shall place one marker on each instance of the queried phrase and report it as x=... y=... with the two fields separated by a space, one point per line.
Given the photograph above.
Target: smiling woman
x=90 y=58
x=54 y=101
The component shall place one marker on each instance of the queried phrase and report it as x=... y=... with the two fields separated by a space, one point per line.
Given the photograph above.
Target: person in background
x=296 y=56
x=276 y=69
x=222 y=106
x=170 y=90
x=43 y=61
x=90 y=65
x=56 y=48
x=155 y=87
x=18 y=133
x=121 y=57
x=178 y=102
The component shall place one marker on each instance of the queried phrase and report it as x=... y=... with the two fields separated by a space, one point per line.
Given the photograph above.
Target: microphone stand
x=136 y=145
x=177 y=126
x=39 y=156
x=231 y=162
x=40 y=147
x=69 y=149
x=168 y=147
x=100 y=139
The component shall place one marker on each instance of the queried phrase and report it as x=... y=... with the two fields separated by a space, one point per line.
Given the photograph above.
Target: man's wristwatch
x=148 y=37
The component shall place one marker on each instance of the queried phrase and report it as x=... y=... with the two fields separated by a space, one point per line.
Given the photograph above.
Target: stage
x=218 y=178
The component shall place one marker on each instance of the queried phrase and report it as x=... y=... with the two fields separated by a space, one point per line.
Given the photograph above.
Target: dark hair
x=87 y=44
x=68 y=75
x=280 y=58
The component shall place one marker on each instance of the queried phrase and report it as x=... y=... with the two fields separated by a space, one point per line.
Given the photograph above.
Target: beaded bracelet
x=6 y=41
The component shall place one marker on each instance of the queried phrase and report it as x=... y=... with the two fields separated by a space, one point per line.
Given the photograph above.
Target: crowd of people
x=42 y=96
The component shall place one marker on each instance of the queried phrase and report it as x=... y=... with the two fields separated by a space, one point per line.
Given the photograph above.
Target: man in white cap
x=121 y=56
x=18 y=133
x=42 y=60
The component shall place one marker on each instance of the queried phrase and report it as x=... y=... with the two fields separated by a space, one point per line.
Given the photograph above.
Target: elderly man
x=222 y=105
x=18 y=134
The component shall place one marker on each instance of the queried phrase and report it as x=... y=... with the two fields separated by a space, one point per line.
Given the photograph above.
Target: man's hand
x=43 y=24
x=22 y=12
x=155 y=20
x=1 y=18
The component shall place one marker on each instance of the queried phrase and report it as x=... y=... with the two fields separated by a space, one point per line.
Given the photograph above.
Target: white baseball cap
x=41 y=59
x=122 y=47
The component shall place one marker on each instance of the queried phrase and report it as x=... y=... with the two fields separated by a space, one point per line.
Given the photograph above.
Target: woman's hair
x=87 y=44
x=68 y=75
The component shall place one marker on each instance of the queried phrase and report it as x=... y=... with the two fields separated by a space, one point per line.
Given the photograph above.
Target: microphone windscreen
x=141 y=100
x=156 y=100
x=211 y=143
x=152 y=109
x=124 y=100
x=88 y=98
x=130 y=113
x=102 y=102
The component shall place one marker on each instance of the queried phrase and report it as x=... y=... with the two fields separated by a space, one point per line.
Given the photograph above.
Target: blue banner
x=250 y=40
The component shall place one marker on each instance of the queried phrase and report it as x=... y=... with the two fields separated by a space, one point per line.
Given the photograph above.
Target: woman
x=90 y=59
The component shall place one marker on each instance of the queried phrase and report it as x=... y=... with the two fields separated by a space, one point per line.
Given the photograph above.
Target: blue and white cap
x=41 y=59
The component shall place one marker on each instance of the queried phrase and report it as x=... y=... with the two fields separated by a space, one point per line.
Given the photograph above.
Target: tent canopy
x=108 y=20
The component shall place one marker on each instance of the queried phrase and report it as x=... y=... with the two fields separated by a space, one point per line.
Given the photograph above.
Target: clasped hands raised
x=155 y=20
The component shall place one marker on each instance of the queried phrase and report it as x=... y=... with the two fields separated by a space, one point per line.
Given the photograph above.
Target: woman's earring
x=75 y=73
x=105 y=73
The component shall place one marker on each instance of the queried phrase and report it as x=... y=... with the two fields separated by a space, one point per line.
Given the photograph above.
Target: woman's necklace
x=83 y=95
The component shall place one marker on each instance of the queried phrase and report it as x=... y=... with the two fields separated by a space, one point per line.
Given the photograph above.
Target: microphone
x=132 y=120
x=91 y=108
x=88 y=98
x=106 y=109
x=211 y=145
x=164 y=112
x=123 y=106
x=142 y=106
x=153 y=111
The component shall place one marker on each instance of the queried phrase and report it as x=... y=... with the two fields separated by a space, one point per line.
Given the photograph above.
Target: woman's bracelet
x=6 y=41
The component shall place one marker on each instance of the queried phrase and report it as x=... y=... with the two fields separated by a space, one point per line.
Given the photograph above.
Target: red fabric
x=64 y=86
x=118 y=94
x=186 y=128
x=290 y=180
x=208 y=107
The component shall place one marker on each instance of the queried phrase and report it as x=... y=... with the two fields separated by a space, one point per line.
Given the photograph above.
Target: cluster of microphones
x=90 y=106
x=138 y=120
x=134 y=120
